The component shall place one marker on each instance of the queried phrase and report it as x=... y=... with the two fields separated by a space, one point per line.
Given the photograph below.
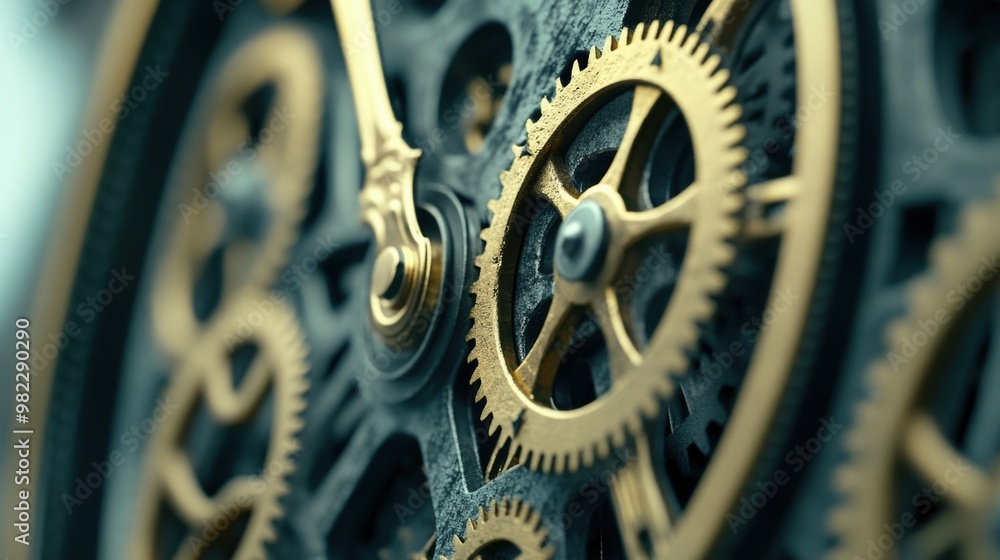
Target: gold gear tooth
x=667 y=33
x=640 y=31
x=510 y=520
x=594 y=55
x=610 y=44
x=624 y=37
x=575 y=72
x=654 y=30
x=712 y=63
x=701 y=53
x=691 y=42
x=895 y=391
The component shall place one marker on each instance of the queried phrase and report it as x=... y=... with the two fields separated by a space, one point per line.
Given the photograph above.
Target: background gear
x=897 y=429
x=208 y=378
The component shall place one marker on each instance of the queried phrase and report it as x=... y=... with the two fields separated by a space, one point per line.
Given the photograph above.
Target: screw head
x=389 y=273
x=581 y=242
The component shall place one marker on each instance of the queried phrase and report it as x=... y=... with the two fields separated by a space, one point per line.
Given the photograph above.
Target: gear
x=206 y=379
x=668 y=61
x=242 y=192
x=507 y=521
x=895 y=427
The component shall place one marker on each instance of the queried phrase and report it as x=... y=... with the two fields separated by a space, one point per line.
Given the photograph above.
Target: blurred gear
x=207 y=378
x=240 y=187
x=898 y=441
x=500 y=525
x=600 y=226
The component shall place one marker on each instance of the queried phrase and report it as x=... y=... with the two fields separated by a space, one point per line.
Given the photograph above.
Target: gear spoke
x=677 y=213
x=766 y=194
x=622 y=352
x=555 y=185
x=931 y=455
x=537 y=372
x=643 y=516
x=178 y=477
x=634 y=147
x=233 y=404
x=938 y=535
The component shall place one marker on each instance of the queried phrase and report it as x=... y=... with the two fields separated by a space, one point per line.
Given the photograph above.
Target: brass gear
x=894 y=429
x=506 y=521
x=205 y=378
x=656 y=61
x=284 y=161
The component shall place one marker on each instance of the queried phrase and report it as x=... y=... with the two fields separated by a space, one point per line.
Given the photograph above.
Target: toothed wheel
x=205 y=390
x=606 y=223
x=916 y=482
x=501 y=526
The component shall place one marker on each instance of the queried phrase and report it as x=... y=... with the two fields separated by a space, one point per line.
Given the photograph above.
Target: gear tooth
x=504 y=177
x=610 y=44
x=494 y=204
x=712 y=63
x=680 y=34
x=603 y=448
x=456 y=541
x=559 y=86
x=654 y=29
x=518 y=150
x=640 y=32
x=558 y=463
x=701 y=52
x=529 y=125
x=691 y=42
x=595 y=54
x=668 y=30
x=576 y=68
x=625 y=37
x=546 y=105
x=618 y=438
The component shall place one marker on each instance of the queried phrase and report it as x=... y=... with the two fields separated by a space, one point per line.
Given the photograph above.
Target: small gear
x=896 y=431
x=206 y=379
x=241 y=193
x=664 y=65
x=510 y=522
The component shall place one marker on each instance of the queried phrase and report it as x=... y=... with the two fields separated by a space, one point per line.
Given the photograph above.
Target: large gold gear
x=506 y=521
x=664 y=65
x=205 y=378
x=284 y=155
x=895 y=432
